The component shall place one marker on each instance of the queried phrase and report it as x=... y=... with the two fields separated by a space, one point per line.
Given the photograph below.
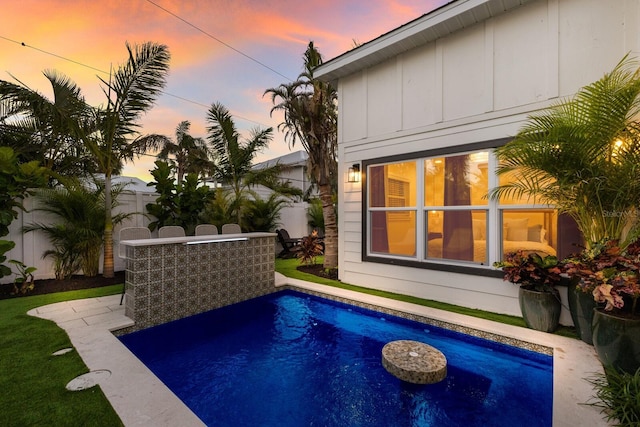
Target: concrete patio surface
x=141 y=399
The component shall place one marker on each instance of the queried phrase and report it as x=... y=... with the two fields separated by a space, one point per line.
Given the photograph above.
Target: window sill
x=430 y=265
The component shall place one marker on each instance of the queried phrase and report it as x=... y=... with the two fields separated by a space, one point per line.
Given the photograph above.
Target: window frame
x=420 y=261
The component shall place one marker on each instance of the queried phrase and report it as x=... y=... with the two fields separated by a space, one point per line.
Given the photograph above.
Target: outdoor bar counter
x=172 y=278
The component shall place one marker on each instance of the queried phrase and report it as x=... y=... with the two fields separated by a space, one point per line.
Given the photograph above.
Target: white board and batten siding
x=476 y=83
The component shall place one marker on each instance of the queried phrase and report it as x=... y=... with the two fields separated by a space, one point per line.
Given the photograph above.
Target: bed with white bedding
x=518 y=236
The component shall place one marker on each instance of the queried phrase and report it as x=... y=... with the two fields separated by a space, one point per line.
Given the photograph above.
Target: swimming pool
x=291 y=359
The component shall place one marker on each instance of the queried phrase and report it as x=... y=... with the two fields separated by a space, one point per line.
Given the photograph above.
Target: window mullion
x=495 y=224
x=421 y=223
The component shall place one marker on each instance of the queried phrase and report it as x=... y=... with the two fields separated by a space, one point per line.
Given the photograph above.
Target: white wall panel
x=592 y=41
x=419 y=87
x=463 y=73
x=353 y=111
x=520 y=56
x=477 y=84
x=383 y=106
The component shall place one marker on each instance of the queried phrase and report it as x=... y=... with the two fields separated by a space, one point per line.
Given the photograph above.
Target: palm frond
x=582 y=155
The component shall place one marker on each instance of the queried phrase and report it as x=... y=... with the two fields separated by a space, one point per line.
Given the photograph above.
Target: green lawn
x=32 y=381
x=288 y=267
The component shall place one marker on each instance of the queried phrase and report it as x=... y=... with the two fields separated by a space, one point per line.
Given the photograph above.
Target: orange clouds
x=204 y=65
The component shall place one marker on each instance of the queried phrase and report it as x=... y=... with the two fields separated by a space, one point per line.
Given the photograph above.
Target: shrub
x=261 y=214
x=315 y=215
x=618 y=396
x=310 y=248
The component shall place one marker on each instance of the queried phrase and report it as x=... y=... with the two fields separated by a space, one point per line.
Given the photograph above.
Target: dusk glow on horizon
x=221 y=51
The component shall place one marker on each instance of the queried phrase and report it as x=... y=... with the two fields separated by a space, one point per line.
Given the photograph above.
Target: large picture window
x=436 y=209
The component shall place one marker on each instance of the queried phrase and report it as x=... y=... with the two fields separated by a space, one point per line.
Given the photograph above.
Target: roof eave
x=439 y=23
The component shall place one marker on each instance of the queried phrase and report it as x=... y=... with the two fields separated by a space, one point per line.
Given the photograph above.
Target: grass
x=33 y=381
x=288 y=267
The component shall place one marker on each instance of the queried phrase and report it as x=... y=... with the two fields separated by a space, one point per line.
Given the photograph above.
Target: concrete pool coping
x=140 y=398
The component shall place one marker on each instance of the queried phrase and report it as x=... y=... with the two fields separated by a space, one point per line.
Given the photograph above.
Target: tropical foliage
x=178 y=203
x=187 y=154
x=77 y=231
x=532 y=270
x=263 y=214
x=310 y=118
x=233 y=161
x=23 y=282
x=315 y=215
x=44 y=130
x=582 y=155
x=219 y=211
x=310 y=248
x=108 y=133
x=16 y=181
x=609 y=272
x=617 y=396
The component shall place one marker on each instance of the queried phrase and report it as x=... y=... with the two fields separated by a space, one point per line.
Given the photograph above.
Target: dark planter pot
x=617 y=340
x=581 y=305
x=540 y=310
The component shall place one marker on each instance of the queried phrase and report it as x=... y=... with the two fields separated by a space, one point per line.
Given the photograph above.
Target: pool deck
x=141 y=399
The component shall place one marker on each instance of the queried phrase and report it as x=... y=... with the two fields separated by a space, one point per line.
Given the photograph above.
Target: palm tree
x=310 y=117
x=190 y=155
x=583 y=156
x=45 y=130
x=131 y=90
x=232 y=159
x=109 y=133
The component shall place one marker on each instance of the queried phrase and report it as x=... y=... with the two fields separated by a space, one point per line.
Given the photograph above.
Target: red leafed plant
x=610 y=273
x=531 y=270
x=310 y=248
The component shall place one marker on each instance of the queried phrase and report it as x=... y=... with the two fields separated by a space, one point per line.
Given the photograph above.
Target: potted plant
x=582 y=270
x=538 y=297
x=613 y=276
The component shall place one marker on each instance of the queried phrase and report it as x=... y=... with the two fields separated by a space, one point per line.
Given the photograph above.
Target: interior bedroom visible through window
x=456 y=222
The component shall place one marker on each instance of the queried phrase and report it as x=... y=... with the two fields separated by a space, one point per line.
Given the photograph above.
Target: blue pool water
x=290 y=360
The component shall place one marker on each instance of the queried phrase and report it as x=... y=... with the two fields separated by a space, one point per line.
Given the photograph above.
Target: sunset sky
x=90 y=36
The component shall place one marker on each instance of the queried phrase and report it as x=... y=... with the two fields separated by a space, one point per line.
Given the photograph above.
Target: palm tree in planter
x=582 y=155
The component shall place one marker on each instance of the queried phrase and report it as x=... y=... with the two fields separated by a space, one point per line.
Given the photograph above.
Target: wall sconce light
x=353 y=174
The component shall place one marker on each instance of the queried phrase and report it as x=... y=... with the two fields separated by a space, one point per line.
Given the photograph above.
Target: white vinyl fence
x=31 y=246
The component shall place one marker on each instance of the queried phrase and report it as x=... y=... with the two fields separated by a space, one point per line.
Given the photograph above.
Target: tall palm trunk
x=108 y=267
x=330 y=227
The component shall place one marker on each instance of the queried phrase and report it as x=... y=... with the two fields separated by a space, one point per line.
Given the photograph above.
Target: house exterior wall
x=476 y=84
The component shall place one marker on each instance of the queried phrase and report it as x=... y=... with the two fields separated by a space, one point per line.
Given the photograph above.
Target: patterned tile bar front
x=168 y=279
